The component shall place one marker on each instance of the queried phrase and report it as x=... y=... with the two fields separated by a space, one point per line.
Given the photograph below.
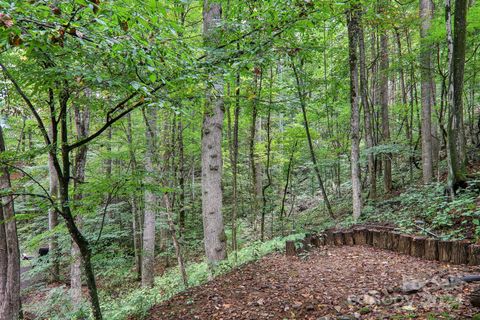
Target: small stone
x=369 y=299
x=412 y=286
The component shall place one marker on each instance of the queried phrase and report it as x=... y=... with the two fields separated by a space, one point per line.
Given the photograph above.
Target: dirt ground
x=330 y=283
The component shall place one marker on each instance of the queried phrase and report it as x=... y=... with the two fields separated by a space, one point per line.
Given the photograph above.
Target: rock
x=412 y=286
x=367 y=299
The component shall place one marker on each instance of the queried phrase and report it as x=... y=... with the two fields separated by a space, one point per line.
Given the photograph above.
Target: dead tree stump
x=290 y=249
x=459 y=252
x=339 y=238
x=348 y=238
x=431 y=249
x=444 y=251
x=369 y=237
x=474 y=255
x=404 y=244
x=360 y=236
x=417 y=248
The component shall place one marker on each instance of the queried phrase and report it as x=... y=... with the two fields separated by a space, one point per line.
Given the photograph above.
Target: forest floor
x=329 y=283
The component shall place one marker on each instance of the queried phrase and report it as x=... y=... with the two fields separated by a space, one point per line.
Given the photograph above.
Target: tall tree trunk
x=426 y=13
x=53 y=214
x=82 y=123
x=301 y=95
x=267 y=169
x=215 y=239
x=10 y=304
x=181 y=178
x=255 y=127
x=233 y=144
x=255 y=165
x=372 y=174
x=455 y=131
x=384 y=99
x=136 y=217
x=151 y=198
x=353 y=17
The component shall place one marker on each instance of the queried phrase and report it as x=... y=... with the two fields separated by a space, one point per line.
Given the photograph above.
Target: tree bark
x=353 y=17
x=384 y=99
x=82 y=123
x=151 y=198
x=372 y=175
x=426 y=14
x=455 y=130
x=10 y=304
x=53 y=214
x=136 y=217
x=215 y=239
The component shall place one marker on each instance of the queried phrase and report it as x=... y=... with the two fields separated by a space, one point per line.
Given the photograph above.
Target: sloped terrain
x=330 y=283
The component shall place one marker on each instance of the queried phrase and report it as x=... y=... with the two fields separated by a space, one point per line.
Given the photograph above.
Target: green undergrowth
x=138 y=302
x=424 y=210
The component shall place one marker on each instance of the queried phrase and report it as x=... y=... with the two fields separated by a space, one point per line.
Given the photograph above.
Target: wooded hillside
x=149 y=146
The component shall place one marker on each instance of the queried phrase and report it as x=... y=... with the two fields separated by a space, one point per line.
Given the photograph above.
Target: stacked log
x=360 y=236
x=417 y=248
x=459 y=253
x=339 y=238
x=431 y=249
x=474 y=255
x=444 y=251
x=329 y=238
x=404 y=244
x=455 y=252
x=290 y=249
x=348 y=238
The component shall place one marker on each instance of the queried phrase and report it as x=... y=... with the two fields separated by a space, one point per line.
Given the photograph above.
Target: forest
x=186 y=159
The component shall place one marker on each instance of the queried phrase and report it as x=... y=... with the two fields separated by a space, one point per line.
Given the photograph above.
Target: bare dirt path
x=330 y=283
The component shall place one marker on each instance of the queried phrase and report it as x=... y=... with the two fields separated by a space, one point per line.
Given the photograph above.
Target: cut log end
x=290 y=249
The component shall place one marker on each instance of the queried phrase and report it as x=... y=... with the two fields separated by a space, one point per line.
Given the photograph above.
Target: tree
x=455 y=128
x=353 y=35
x=151 y=197
x=9 y=252
x=212 y=197
x=82 y=125
x=426 y=13
x=384 y=102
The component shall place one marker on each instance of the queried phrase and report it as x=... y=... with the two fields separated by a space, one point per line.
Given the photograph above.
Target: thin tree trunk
x=10 y=305
x=136 y=219
x=353 y=17
x=426 y=13
x=176 y=244
x=215 y=239
x=181 y=178
x=53 y=214
x=372 y=176
x=267 y=169
x=151 y=198
x=233 y=139
x=254 y=138
x=82 y=123
x=301 y=96
x=287 y=182
x=384 y=99
x=455 y=131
